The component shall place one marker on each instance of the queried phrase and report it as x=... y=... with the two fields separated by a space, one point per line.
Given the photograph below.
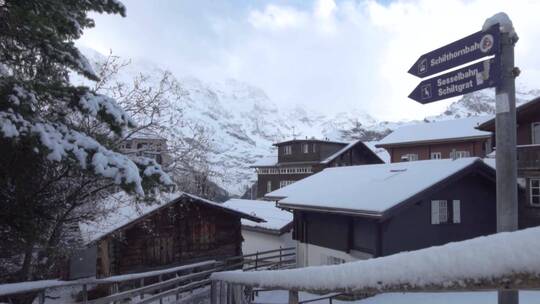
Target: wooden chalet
x=438 y=140
x=181 y=229
x=358 y=212
x=528 y=150
x=299 y=158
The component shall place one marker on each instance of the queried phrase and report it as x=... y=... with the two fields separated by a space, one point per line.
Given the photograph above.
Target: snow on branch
x=505 y=259
x=62 y=143
x=107 y=109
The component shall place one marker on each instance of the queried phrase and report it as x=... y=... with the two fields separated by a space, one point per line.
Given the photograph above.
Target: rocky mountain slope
x=244 y=122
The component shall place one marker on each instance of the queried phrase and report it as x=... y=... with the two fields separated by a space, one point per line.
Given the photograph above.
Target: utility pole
x=506 y=154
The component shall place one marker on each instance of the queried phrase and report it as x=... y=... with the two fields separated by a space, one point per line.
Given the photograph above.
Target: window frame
x=533 y=124
x=439 y=154
x=409 y=157
x=305 y=148
x=531 y=195
x=287 y=150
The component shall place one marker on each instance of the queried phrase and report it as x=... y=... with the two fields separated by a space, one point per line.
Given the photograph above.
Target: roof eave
x=363 y=213
x=445 y=140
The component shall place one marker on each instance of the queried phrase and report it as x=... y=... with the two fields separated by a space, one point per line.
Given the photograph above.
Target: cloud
x=327 y=55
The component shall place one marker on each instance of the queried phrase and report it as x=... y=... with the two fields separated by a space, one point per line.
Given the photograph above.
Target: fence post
x=42 y=296
x=256 y=259
x=293 y=297
x=280 y=257
x=85 y=294
x=160 y=278
x=142 y=285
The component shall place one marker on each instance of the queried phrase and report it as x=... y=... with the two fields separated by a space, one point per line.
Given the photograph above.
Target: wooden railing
x=155 y=286
x=528 y=157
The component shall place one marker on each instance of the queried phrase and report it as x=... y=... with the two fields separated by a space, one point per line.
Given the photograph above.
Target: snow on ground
x=275 y=218
x=341 y=187
x=447 y=129
x=525 y=297
x=481 y=258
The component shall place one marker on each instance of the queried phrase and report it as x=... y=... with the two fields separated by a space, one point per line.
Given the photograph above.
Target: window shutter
x=456 y=211
x=435 y=212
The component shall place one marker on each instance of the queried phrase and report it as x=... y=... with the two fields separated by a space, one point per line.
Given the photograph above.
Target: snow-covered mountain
x=244 y=122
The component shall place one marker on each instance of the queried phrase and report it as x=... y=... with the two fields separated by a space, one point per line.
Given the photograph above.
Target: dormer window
x=305 y=148
x=287 y=150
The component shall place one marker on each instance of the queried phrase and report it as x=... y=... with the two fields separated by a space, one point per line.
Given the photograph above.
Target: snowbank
x=482 y=259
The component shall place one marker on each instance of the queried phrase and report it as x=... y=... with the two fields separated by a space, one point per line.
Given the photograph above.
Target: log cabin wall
x=182 y=233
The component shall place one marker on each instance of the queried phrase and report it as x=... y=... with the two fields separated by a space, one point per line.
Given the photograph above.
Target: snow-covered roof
x=276 y=219
x=486 y=258
x=367 y=189
x=268 y=161
x=343 y=150
x=123 y=210
x=437 y=131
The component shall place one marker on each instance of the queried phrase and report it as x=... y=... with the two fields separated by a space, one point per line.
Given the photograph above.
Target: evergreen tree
x=51 y=168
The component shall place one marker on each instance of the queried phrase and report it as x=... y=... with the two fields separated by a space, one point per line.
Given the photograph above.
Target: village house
x=528 y=150
x=180 y=229
x=147 y=144
x=300 y=158
x=274 y=233
x=359 y=212
x=438 y=140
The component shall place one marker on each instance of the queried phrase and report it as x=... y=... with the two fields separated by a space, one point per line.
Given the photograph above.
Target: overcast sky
x=328 y=55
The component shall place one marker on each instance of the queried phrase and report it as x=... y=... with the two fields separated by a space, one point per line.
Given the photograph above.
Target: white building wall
x=313 y=255
x=257 y=241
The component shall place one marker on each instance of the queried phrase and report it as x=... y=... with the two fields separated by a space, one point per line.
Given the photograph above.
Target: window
x=439 y=212
x=269 y=186
x=287 y=150
x=436 y=155
x=314 y=147
x=285 y=183
x=409 y=157
x=459 y=154
x=305 y=148
x=534 y=192
x=535 y=133
x=456 y=212
x=331 y=260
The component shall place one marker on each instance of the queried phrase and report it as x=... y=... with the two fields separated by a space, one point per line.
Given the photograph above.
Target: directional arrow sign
x=474 y=77
x=470 y=48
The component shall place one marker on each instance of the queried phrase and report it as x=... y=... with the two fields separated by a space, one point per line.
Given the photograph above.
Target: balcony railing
x=528 y=157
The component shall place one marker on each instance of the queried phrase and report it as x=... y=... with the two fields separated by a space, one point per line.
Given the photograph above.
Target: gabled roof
x=268 y=161
x=347 y=148
x=308 y=140
x=273 y=160
x=122 y=211
x=447 y=130
x=533 y=105
x=276 y=220
x=369 y=190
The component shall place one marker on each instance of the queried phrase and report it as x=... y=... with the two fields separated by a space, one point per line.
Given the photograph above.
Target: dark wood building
x=300 y=158
x=528 y=150
x=438 y=140
x=182 y=230
x=345 y=214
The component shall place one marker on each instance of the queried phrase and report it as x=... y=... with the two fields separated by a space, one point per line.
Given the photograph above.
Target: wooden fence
x=155 y=286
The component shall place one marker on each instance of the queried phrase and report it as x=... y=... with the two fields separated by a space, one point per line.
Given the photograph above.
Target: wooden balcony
x=528 y=157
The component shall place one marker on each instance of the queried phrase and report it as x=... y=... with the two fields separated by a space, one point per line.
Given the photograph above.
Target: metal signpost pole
x=506 y=156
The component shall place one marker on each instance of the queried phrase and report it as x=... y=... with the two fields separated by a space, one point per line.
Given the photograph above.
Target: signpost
x=470 y=48
x=471 y=78
x=498 y=72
